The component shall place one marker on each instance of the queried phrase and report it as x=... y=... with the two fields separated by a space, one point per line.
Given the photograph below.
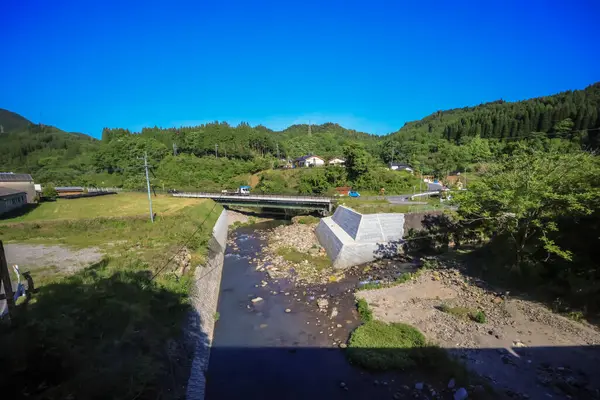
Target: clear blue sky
x=368 y=65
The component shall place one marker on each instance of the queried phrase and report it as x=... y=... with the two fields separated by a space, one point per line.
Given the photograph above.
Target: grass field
x=374 y=206
x=114 y=329
x=119 y=205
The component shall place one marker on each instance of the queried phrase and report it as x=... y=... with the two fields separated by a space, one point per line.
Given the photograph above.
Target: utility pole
x=277 y=151
x=393 y=155
x=217 y=150
x=174 y=149
x=146 y=167
x=309 y=130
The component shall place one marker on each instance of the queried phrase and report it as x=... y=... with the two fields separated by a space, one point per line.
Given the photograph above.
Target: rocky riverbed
x=522 y=348
x=282 y=336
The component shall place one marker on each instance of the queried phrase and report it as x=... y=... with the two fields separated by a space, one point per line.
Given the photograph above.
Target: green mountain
x=48 y=153
x=10 y=121
x=563 y=114
x=448 y=140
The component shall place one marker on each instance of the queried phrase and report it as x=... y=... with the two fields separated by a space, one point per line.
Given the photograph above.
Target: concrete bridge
x=309 y=203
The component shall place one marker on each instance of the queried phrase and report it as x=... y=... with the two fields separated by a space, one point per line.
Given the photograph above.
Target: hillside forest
x=219 y=156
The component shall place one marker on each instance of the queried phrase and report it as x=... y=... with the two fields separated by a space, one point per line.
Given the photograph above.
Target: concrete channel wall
x=205 y=297
x=351 y=238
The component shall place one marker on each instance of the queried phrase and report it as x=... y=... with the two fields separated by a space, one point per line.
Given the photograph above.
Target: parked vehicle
x=353 y=193
x=243 y=190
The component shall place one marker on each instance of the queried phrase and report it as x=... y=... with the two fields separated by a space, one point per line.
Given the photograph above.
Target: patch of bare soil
x=62 y=259
x=523 y=349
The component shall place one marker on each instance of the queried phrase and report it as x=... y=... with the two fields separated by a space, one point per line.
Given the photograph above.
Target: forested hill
x=48 y=153
x=449 y=140
x=567 y=113
x=11 y=122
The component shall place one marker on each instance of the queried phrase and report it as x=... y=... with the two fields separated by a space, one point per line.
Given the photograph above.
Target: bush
x=379 y=346
x=308 y=220
x=49 y=192
x=366 y=315
x=479 y=317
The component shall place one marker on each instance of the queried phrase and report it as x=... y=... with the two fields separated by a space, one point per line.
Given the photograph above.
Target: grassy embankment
x=374 y=206
x=110 y=330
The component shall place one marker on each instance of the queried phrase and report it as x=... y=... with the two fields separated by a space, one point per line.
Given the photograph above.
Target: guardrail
x=233 y=196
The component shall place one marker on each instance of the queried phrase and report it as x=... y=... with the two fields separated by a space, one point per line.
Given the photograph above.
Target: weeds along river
x=283 y=346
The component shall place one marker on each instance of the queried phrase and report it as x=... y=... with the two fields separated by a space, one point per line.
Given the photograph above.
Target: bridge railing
x=255 y=196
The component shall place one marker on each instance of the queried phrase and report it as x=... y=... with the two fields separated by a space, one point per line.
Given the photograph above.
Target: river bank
x=277 y=337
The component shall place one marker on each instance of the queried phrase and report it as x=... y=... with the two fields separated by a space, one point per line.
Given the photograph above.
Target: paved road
x=403 y=199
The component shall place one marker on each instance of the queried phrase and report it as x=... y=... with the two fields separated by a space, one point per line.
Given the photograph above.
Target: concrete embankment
x=205 y=296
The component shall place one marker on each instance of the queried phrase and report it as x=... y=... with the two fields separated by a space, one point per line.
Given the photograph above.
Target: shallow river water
x=283 y=347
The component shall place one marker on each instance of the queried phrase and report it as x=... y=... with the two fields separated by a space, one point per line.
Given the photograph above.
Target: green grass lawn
x=374 y=206
x=110 y=330
x=119 y=205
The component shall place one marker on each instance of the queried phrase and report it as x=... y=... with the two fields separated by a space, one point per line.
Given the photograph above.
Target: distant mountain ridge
x=11 y=121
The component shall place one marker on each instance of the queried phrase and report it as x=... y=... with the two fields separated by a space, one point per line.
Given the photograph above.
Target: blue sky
x=368 y=65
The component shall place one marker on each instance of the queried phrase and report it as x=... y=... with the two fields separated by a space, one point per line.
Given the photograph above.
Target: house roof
x=4 y=191
x=12 y=177
x=400 y=165
x=337 y=158
x=69 y=189
x=303 y=158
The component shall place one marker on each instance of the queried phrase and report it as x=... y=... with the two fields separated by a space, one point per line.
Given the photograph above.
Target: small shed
x=19 y=182
x=11 y=199
x=68 y=190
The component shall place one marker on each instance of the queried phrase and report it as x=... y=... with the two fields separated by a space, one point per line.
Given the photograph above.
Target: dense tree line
x=446 y=141
x=534 y=217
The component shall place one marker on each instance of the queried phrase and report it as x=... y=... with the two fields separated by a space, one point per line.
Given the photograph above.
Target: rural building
x=309 y=161
x=401 y=167
x=19 y=182
x=68 y=190
x=337 y=161
x=11 y=199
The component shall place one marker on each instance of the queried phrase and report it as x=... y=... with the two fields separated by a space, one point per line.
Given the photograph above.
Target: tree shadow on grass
x=103 y=332
x=19 y=212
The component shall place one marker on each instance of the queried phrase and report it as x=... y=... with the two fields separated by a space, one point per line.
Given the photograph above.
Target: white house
x=401 y=167
x=309 y=161
x=336 y=161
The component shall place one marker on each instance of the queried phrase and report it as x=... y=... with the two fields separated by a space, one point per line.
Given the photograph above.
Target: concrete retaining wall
x=205 y=297
x=350 y=238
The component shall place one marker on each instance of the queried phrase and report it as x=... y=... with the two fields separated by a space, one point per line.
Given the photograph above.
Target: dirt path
x=523 y=349
x=42 y=258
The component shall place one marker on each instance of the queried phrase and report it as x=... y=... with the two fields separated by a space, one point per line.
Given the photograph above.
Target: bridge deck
x=266 y=199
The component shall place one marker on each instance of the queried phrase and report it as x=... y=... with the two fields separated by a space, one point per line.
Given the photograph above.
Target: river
x=283 y=346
